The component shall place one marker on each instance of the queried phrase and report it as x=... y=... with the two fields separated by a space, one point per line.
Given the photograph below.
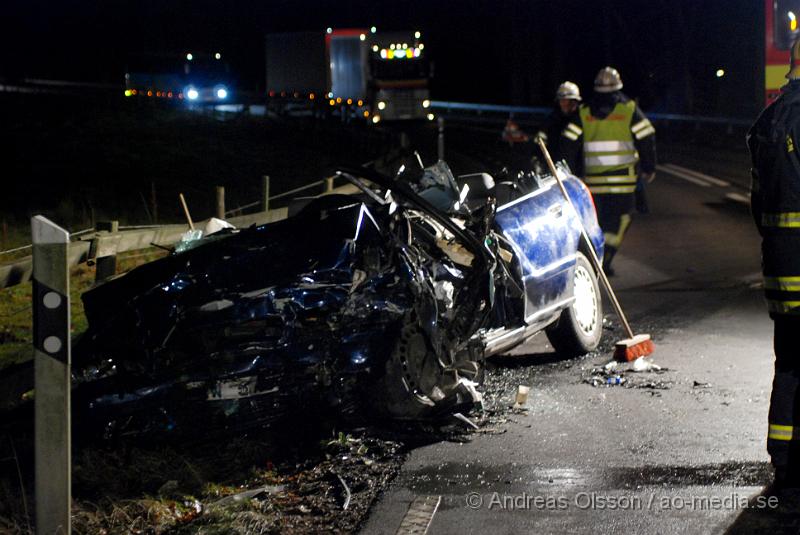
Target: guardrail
x=102 y=244
x=533 y=111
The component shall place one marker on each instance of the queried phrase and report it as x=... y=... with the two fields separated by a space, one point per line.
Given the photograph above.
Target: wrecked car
x=387 y=300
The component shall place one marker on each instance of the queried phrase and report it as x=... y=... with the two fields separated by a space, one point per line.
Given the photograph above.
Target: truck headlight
x=192 y=93
x=222 y=93
x=381 y=105
x=431 y=117
x=376 y=119
x=426 y=103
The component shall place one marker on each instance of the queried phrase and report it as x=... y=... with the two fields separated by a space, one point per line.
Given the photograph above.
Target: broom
x=635 y=345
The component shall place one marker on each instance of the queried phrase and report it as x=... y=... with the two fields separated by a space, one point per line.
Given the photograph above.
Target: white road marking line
x=679 y=174
x=419 y=516
x=738 y=197
x=697 y=174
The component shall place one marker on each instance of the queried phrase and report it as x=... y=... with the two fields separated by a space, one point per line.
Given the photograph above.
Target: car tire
x=580 y=326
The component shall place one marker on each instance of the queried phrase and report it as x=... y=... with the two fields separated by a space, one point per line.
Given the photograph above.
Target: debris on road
x=699 y=384
x=614 y=374
x=522 y=396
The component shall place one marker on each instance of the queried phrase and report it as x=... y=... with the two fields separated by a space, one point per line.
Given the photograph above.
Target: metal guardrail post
x=51 y=342
x=265 y=193
x=440 y=151
x=220 y=197
x=106 y=266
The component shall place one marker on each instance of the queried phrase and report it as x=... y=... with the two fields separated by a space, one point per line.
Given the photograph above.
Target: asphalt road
x=671 y=452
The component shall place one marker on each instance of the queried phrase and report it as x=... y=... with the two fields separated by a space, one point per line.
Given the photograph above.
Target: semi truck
x=349 y=72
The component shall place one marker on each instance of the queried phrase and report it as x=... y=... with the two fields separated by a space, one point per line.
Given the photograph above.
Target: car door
x=539 y=227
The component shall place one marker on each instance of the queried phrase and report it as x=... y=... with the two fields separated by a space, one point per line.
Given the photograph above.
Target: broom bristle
x=632 y=349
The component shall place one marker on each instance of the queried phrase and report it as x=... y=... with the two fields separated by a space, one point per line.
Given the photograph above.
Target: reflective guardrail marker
x=51 y=341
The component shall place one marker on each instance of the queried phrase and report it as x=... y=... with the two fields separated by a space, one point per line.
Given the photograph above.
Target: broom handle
x=592 y=254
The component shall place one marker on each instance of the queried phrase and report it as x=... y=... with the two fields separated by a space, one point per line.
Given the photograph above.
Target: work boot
x=786 y=487
x=608 y=256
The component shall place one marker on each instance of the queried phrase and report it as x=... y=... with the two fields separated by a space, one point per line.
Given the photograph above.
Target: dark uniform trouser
x=614 y=215
x=783 y=442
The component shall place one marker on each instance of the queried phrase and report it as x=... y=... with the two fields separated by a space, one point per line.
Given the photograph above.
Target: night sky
x=484 y=51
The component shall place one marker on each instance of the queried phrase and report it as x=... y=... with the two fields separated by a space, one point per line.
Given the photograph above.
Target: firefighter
x=775 y=203
x=568 y=98
x=617 y=144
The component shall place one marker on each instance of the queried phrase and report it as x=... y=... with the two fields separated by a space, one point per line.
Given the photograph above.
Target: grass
x=16 y=313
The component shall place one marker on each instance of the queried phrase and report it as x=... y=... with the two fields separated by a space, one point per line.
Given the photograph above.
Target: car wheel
x=580 y=327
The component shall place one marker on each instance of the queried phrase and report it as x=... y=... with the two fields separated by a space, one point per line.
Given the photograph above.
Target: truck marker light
x=375 y=48
x=421 y=46
x=373 y=29
x=332 y=102
x=338 y=100
x=149 y=93
x=311 y=96
x=189 y=57
x=376 y=119
x=349 y=101
x=366 y=113
x=218 y=56
x=362 y=37
x=128 y=92
x=360 y=102
x=384 y=54
x=169 y=94
x=417 y=35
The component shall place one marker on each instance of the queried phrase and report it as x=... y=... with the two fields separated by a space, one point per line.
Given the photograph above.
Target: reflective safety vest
x=609 y=153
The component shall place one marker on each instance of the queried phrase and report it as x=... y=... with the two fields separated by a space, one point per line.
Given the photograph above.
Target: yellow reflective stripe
x=784 y=284
x=570 y=135
x=616 y=179
x=609 y=146
x=781 y=219
x=780 y=432
x=644 y=133
x=610 y=159
x=615 y=240
x=574 y=128
x=612 y=189
x=644 y=123
x=783 y=307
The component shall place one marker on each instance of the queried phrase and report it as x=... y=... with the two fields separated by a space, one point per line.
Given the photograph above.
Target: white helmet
x=569 y=91
x=608 y=80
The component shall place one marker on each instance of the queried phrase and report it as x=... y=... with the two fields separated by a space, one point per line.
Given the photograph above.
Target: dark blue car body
x=377 y=303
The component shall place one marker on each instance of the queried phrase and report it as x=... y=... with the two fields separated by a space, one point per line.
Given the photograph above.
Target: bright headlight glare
x=381 y=105
x=192 y=94
x=426 y=103
x=222 y=93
